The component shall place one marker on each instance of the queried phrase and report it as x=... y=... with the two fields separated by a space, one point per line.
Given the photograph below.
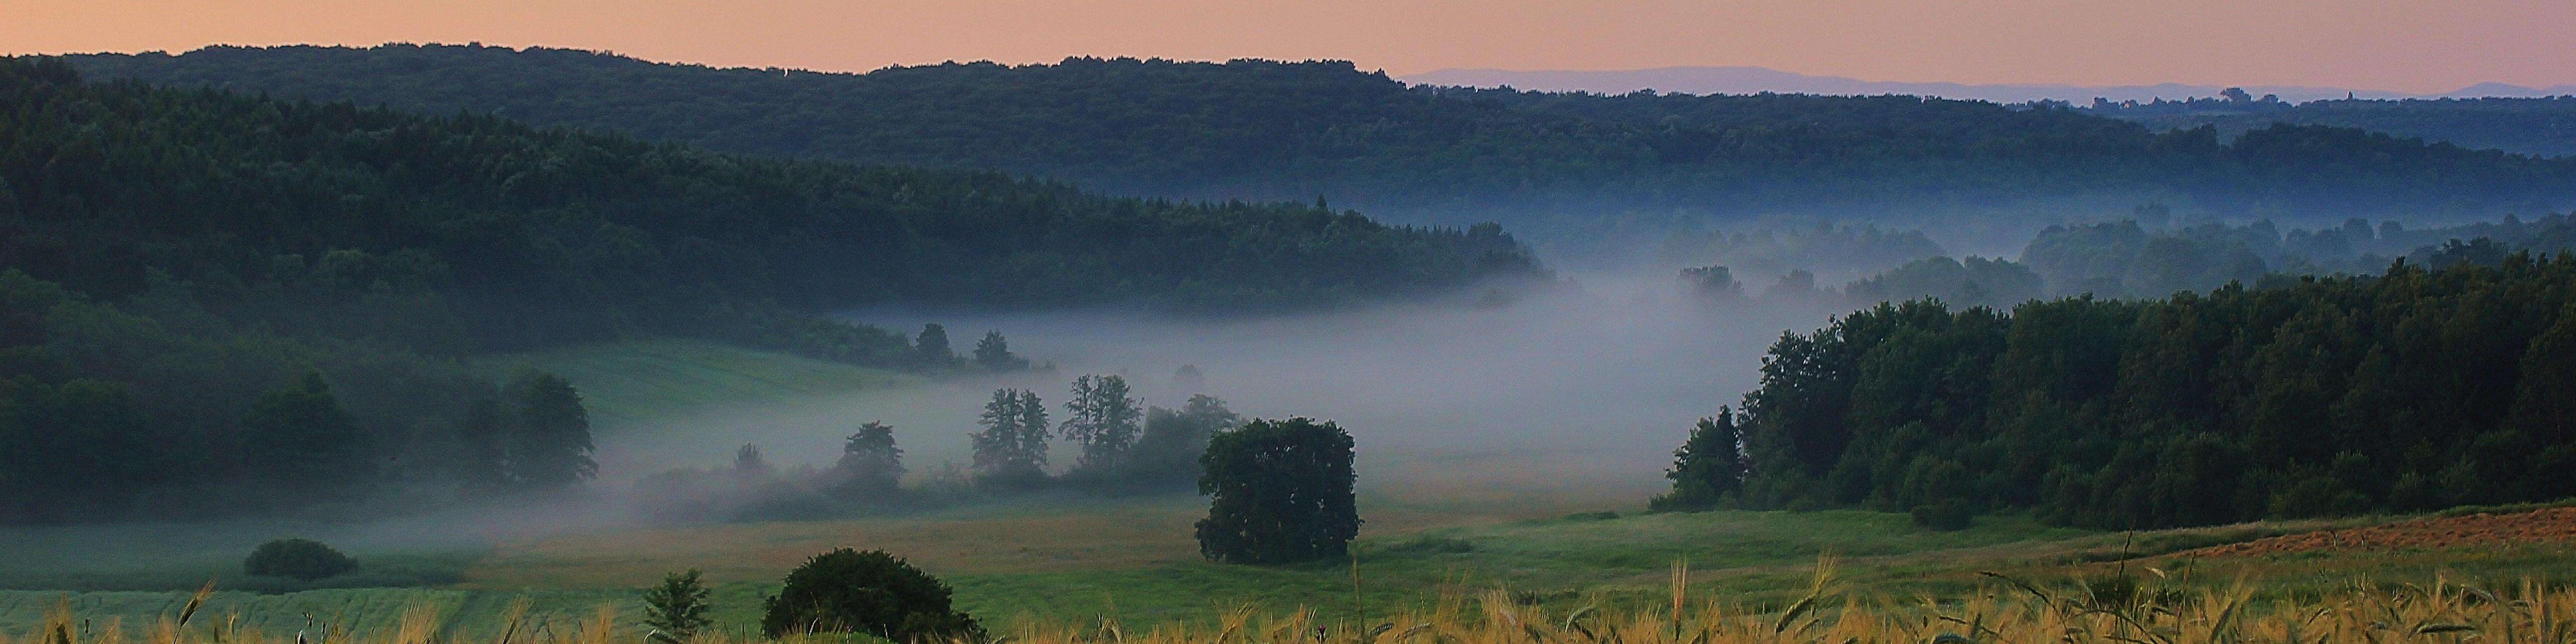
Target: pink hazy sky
x=2404 y=45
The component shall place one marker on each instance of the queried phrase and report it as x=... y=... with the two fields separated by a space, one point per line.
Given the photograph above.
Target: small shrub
x=1946 y=516
x=677 y=609
x=872 y=592
x=303 y=559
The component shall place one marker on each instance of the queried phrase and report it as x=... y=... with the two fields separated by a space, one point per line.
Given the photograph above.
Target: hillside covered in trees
x=2536 y=126
x=2408 y=390
x=1272 y=130
x=220 y=303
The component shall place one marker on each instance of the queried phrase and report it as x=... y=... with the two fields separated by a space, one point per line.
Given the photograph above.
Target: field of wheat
x=2121 y=609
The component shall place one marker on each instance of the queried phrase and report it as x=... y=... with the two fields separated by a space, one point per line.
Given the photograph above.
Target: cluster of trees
x=106 y=413
x=2412 y=389
x=221 y=303
x=1125 y=448
x=2146 y=256
x=1273 y=130
x=1777 y=251
x=478 y=232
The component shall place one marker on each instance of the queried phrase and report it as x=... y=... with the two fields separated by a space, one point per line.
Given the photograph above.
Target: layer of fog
x=1586 y=388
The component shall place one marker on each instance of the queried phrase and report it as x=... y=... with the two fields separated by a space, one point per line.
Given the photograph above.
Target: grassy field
x=1069 y=559
x=653 y=381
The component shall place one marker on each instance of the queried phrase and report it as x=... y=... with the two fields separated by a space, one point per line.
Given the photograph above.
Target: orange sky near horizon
x=2402 y=45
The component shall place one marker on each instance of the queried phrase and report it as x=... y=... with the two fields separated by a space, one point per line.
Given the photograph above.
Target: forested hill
x=2405 y=391
x=537 y=235
x=2538 y=126
x=1272 y=130
x=213 y=303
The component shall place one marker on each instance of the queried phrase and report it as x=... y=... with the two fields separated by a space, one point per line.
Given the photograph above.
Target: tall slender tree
x=1103 y=418
x=1011 y=448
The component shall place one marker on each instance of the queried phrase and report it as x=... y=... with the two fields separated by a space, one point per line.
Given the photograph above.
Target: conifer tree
x=870 y=463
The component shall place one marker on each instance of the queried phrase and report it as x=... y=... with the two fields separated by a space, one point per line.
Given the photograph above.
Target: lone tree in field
x=677 y=609
x=1282 y=493
x=1011 y=449
x=303 y=559
x=870 y=463
x=1103 y=418
x=847 y=591
x=1707 y=469
x=548 y=444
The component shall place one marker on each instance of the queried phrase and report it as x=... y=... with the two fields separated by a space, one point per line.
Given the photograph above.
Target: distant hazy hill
x=2542 y=126
x=1754 y=80
x=1267 y=130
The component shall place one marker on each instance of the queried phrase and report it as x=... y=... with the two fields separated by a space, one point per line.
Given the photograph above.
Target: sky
x=2417 y=46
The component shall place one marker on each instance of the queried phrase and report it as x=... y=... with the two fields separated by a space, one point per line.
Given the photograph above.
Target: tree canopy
x=2412 y=389
x=1267 y=130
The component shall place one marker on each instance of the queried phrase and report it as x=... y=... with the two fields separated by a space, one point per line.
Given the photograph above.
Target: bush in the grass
x=303 y=559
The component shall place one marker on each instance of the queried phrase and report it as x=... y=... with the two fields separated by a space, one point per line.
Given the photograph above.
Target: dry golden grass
x=2131 y=611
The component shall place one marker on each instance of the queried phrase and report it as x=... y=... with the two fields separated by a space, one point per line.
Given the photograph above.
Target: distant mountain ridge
x=1755 y=80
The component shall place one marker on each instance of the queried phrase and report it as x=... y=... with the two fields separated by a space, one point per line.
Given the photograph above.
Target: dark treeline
x=2408 y=390
x=2148 y=256
x=106 y=414
x=1272 y=130
x=2539 y=126
x=219 y=303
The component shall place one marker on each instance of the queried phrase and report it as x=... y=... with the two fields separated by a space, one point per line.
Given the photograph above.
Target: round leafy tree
x=304 y=559
x=1282 y=493
x=848 y=591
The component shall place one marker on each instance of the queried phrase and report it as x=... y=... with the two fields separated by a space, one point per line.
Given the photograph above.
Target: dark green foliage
x=1976 y=282
x=1709 y=468
x=1011 y=450
x=301 y=559
x=2408 y=390
x=297 y=437
x=195 y=249
x=677 y=609
x=1287 y=131
x=930 y=349
x=871 y=467
x=848 y=591
x=476 y=231
x=1281 y=493
x=993 y=353
x=75 y=452
x=106 y=413
x=1167 y=454
x=548 y=433
x=2538 y=126
x=1103 y=418
x=1944 y=516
